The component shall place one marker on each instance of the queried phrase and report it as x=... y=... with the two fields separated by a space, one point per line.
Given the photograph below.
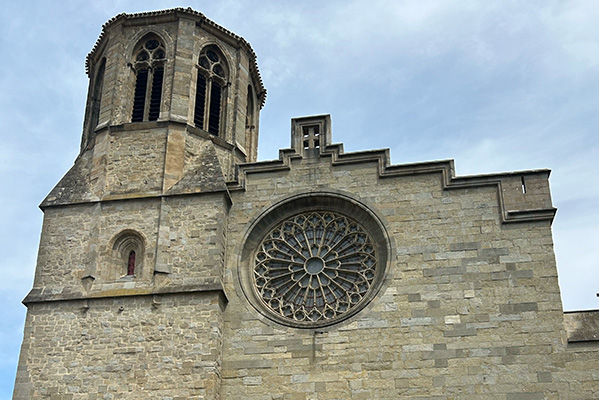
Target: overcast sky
x=496 y=85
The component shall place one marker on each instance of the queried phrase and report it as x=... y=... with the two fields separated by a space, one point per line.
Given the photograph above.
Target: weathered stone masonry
x=463 y=301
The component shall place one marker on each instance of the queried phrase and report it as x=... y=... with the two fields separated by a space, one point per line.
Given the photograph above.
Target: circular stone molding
x=314 y=260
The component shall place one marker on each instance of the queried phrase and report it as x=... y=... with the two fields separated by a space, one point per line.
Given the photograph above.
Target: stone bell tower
x=128 y=294
x=174 y=72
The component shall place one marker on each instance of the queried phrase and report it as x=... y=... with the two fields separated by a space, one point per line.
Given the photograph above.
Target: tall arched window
x=210 y=90
x=96 y=100
x=94 y=104
x=149 y=57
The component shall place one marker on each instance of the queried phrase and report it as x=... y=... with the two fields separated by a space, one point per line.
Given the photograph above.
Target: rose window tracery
x=314 y=267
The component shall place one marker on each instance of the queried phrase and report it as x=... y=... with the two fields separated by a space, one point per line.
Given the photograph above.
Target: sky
x=495 y=85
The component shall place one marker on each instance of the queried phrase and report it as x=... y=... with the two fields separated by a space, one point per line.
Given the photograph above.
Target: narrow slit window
x=523 y=185
x=131 y=263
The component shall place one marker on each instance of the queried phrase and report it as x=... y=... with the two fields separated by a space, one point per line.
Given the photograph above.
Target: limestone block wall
x=136 y=161
x=522 y=191
x=581 y=362
x=112 y=219
x=471 y=308
x=147 y=159
x=197 y=234
x=92 y=332
x=77 y=241
x=123 y=348
x=184 y=236
x=185 y=72
x=66 y=233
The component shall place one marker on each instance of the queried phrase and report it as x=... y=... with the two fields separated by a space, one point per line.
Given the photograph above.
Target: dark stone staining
x=582 y=326
x=517 y=308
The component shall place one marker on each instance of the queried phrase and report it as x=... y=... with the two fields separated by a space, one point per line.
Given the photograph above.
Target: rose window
x=314 y=267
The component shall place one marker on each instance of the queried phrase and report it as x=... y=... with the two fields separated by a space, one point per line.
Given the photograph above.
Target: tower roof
x=172 y=14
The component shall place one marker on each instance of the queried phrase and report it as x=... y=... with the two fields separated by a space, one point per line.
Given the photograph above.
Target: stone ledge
x=38 y=296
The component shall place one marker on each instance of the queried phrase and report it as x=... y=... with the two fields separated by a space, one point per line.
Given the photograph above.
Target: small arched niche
x=128 y=255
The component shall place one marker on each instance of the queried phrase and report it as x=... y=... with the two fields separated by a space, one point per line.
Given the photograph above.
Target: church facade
x=174 y=265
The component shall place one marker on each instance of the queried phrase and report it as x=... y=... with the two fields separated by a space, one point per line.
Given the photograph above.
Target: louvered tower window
x=210 y=90
x=149 y=73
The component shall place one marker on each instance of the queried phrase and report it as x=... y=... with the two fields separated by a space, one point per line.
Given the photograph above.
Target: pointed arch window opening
x=92 y=112
x=131 y=264
x=249 y=113
x=96 y=102
x=148 y=64
x=128 y=250
x=210 y=90
x=249 y=123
